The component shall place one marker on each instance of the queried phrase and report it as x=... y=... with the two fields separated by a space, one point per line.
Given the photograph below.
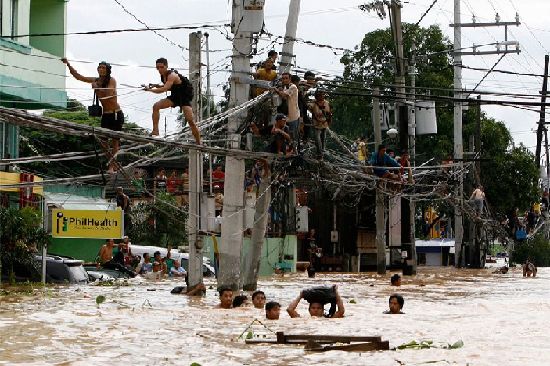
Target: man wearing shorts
x=112 y=118
x=180 y=96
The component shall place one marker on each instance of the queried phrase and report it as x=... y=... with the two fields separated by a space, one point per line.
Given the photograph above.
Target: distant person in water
x=396 y=303
x=258 y=299
x=529 y=269
x=240 y=300
x=226 y=298
x=272 y=310
x=317 y=309
x=395 y=280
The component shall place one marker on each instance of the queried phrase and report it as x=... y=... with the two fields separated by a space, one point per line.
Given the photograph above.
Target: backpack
x=186 y=85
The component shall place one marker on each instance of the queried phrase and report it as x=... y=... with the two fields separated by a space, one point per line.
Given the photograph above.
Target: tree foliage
x=21 y=235
x=41 y=142
x=537 y=249
x=160 y=222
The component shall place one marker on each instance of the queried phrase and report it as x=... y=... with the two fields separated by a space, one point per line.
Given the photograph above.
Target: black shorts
x=179 y=100
x=112 y=121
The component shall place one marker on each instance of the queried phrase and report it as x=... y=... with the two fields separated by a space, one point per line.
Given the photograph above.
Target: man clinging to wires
x=111 y=116
x=181 y=94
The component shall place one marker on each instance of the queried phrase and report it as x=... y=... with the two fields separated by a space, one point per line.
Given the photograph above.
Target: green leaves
x=100 y=299
x=427 y=344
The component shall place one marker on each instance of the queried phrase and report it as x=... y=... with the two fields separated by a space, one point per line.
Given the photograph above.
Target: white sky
x=339 y=24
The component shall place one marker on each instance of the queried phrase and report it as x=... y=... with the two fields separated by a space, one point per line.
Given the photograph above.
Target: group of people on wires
x=297 y=114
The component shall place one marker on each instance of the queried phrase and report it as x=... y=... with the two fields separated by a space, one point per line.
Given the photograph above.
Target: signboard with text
x=89 y=224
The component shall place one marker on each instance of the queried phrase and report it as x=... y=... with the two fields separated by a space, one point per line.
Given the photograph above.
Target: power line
x=146 y=26
x=488 y=72
x=426 y=12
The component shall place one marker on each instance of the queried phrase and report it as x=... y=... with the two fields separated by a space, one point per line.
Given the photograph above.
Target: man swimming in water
x=396 y=303
x=315 y=308
x=226 y=298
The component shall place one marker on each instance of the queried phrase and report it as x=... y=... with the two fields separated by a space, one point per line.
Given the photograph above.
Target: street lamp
x=392 y=133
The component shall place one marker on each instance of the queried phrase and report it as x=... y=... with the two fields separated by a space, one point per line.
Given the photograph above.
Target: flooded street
x=502 y=319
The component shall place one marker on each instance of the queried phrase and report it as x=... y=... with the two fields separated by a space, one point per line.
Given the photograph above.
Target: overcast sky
x=338 y=23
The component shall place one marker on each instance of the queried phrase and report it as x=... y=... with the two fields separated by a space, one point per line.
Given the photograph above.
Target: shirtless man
x=106 y=252
x=529 y=269
x=226 y=298
x=172 y=81
x=316 y=309
x=112 y=118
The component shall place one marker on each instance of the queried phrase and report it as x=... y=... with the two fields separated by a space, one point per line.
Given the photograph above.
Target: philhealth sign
x=89 y=224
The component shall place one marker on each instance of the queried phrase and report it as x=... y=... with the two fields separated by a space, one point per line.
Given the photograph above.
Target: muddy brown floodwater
x=502 y=320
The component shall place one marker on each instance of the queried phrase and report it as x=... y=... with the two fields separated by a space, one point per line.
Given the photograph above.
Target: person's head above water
x=226 y=297
x=240 y=300
x=258 y=299
x=316 y=309
x=272 y=310
x=395 y=280
x=396 y=303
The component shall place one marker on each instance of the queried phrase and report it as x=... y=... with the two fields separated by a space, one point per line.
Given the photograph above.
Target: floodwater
x=502 y=320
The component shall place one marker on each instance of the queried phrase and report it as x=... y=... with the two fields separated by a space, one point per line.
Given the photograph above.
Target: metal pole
x=195 y=168
x=412 y=145
x=380 y=201
x=458 y=148
x=43 y=208
x=291 y=26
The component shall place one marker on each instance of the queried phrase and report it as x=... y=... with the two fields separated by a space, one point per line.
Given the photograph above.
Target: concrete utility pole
x=407 y=235
x=195 y=168
x=477 y=141
x=380 y=201
x=252 y=260
x=542 y=118
x=208 y=111
x=247 y=19
x=457 y=122
x=501 y=48
x=291 y=26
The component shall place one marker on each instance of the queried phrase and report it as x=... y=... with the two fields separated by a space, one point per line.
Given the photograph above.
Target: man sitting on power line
x=382 y=161
x=111 y=115
x=181 y=94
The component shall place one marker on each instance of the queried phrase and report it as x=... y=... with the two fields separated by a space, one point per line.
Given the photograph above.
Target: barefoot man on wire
x=111 y=117
x=181 y=94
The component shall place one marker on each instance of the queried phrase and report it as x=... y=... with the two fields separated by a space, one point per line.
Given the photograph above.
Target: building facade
x=31 y=73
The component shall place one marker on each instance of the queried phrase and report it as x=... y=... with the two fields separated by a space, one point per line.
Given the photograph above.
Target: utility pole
x=457 y=123
x=407 y=234
x=208 y=111
x=380 y=201
x=291 y=26
x=501 y=48
x=195 y=168
x=252 y=260
x=247 y=19
x=542 y=118
x=477 y=141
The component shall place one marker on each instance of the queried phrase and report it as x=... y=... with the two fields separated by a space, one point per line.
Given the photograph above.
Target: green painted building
x=31 y=73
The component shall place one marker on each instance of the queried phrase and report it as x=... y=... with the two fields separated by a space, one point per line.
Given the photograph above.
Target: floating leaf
x=352 y=301
x=457 y=344
x=249 y=335
x=195 y=364
x=100 y=299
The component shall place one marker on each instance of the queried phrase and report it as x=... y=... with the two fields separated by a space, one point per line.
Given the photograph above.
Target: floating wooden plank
x=274 y=341
x=284 y=338
x=354 y=347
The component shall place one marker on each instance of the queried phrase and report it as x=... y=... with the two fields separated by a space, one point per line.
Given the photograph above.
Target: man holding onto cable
x=112 y=117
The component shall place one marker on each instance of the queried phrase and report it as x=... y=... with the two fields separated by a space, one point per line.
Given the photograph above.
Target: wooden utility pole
x=195 y=168
x=380 y=200
x=291 y=26
x=247 y=19
x=542 y=118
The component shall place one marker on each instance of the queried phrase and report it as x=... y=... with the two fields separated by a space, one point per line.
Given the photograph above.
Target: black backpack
x=186 y=85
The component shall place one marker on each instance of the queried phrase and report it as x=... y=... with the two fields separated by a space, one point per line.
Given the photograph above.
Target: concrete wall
x=271 y=251
x=48 y=16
